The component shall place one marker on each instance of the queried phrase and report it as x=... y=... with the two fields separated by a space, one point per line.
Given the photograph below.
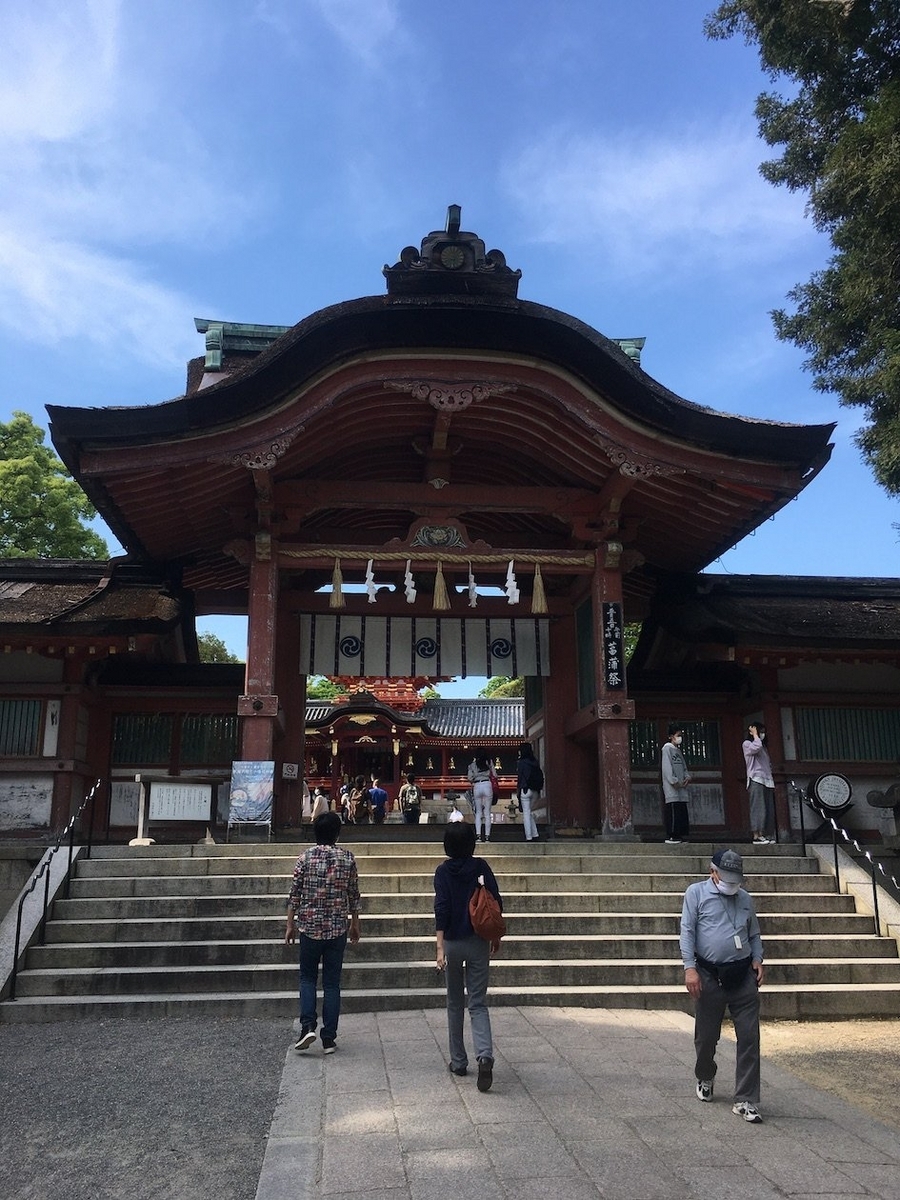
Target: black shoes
x=458 y=1070
x=305 y=1040
x=485 y=1074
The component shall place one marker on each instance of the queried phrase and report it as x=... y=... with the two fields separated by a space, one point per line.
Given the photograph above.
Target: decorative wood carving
x=447 y=396
x=631 y=464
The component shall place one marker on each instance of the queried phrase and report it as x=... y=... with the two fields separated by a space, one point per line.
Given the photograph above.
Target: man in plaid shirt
x=323 y=908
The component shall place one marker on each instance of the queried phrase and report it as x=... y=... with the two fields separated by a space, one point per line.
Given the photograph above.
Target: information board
x=180 y=801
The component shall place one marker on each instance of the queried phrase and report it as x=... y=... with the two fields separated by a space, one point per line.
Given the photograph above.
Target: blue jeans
x=331 y=954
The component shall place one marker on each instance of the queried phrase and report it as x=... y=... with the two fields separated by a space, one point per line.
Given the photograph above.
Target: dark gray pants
x=743 y=1004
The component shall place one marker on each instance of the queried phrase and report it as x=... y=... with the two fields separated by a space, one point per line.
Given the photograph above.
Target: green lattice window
x=20 y=728
x=209 y=739
x=847 y=734
x=142 y=739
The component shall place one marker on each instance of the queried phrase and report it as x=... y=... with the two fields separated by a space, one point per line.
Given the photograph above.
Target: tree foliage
x=502 y=687
x=42 y=509
x=213 y=650
x=839 y=135
x=320 y=688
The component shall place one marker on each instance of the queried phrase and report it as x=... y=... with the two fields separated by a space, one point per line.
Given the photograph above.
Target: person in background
x=760 y=784
x=319 y=803
x=411 y=800
x=378 y=799
x=530 y=783
x=461 y=953
x=323 y=913
x=359 y=801
x=454 y=815
x=675 y=780
x=479 y=775
x=722 y=953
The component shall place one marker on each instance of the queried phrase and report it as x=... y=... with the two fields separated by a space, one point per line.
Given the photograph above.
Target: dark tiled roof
x=84 y=597
x=451 y=718
x=780 y=611
x=475 y=718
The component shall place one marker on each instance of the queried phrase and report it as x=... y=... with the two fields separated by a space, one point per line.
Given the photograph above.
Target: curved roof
x=523 y=424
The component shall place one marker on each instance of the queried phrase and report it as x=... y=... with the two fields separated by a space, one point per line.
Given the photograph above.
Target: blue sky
x=257 y=161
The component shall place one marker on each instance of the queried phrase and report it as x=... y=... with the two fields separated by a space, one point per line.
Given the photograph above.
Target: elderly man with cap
x=723 y=968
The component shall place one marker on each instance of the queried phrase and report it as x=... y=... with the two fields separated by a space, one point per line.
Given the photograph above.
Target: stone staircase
x=163 y=930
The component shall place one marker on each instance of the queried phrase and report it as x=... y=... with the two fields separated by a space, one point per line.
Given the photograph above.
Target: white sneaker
x=760 y=841
x=748 y=1111
x=673 y=841
x=705 y=1090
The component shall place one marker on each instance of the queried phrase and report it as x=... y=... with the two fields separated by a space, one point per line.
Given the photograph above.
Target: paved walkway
x=586 y=1103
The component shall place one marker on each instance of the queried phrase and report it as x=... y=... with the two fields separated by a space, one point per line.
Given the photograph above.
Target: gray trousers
x=743 y=1004
x=468 y=966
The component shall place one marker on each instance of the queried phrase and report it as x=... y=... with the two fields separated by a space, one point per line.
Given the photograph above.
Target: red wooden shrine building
x=443 y=480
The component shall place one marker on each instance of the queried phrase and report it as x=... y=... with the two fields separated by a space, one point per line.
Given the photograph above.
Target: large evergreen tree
x=839 y=134
x=42 y=509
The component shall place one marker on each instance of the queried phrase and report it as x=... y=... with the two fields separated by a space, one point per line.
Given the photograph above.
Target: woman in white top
x=480 y=777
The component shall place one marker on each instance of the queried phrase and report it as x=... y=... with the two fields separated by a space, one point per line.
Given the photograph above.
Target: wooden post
x=259 y=705
x=613 y=709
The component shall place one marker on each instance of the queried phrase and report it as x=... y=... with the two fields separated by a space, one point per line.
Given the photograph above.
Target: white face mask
x=727 y=889
x=677 y=739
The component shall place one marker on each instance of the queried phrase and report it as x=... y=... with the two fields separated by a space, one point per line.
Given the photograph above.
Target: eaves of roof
x=378 y=323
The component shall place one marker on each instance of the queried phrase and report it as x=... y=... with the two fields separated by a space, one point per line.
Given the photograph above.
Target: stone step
x=263 y=903
x=786 y=1002
x=524 y=974
x=402 y=863
x=271 y=926
x=380 y=946
x=150 y=929
x=370 y=885
x=375 y=843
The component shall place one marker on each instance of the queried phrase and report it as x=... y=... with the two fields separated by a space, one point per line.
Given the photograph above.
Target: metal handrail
x=870 y=862
x=44 y=870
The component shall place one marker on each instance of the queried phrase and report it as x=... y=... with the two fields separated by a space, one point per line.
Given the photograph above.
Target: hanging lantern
x=409 y=759
x=430 y=764
x=452 y=763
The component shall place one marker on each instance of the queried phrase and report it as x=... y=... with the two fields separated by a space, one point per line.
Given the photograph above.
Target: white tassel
x=371 y=590
x=473 y=590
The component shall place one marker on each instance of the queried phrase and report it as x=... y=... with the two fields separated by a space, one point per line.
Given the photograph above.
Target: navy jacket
x=454 y=883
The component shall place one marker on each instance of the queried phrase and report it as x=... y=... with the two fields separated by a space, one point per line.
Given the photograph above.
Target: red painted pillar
x=613 y=709
x=259 y=705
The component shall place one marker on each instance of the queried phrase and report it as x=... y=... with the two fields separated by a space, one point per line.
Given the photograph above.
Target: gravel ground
x=856 y=1060
x=174 y=1109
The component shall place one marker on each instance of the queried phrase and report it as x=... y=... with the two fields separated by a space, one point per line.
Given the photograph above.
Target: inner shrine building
x=447 y=480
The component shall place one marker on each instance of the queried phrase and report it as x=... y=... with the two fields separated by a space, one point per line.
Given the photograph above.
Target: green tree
x=500 y=687
x=213 y=650
x=320 y=688
x=42 y=509
x=839 y=134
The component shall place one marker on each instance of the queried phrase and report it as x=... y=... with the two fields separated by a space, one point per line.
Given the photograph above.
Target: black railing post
x=837 y=869
x=874 y=894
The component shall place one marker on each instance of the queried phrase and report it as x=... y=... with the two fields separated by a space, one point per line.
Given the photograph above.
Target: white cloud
x=365 y=27
x=650 y=205
x=51 y=290
x=97 y=162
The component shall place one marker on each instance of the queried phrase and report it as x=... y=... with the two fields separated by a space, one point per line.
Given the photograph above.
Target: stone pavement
x=586 y=1103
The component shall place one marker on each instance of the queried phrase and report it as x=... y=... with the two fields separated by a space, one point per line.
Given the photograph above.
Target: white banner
x=344 y=644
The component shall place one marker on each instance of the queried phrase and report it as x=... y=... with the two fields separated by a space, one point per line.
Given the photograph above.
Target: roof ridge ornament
x=452 y=261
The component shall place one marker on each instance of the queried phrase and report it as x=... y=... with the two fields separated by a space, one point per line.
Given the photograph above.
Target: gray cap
x=729 y=866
